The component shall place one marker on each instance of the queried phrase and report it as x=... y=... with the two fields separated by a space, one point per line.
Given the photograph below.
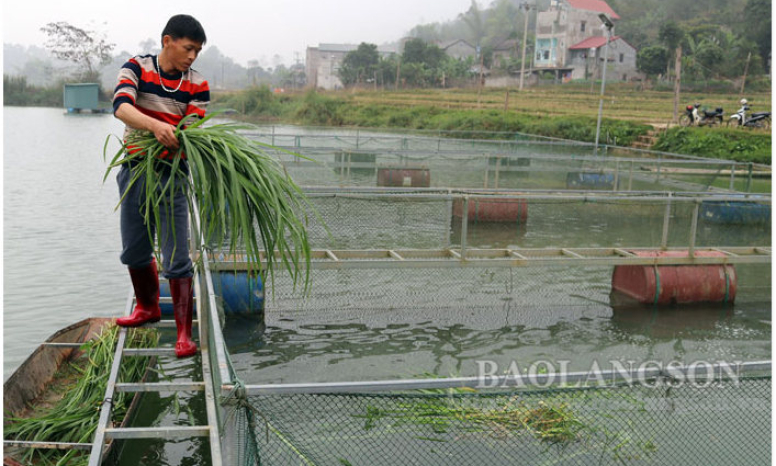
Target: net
x=712 y=421
x=504 y=198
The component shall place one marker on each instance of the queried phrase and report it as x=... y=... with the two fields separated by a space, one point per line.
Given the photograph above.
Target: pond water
x=61 y=248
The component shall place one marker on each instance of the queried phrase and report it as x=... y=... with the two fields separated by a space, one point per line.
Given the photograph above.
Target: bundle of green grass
x=245 y=197
x=82 y=382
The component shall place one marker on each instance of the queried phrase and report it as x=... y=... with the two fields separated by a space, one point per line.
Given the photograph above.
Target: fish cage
x=360 y=159
x=500 y=338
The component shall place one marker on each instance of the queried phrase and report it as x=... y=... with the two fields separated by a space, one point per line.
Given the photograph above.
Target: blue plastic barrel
x=579 y=180
x=239 y=294
x=735 y=212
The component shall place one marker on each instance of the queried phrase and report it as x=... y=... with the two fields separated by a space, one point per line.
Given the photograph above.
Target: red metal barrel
x=676 y=284
x=415 y=177
x=493 y=210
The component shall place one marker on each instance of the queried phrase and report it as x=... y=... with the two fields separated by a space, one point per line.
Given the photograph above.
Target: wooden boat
x=31 y=384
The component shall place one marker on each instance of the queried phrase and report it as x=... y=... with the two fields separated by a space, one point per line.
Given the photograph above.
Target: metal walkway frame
x=203 y=286
x=443 y=258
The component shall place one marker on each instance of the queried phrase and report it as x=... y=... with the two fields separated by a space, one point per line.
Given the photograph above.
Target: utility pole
x=525 y=42
x=609 y=25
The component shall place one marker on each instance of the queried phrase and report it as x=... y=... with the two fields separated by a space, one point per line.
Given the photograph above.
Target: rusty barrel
x=676 y=284
x=498 y=209
x=405 y=177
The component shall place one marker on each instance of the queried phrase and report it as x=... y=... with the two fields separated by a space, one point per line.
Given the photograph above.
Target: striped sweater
x=139 y=85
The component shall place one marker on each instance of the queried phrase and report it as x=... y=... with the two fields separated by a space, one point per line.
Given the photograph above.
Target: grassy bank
x=566 y=112
x=316 y=109
x=741 y=145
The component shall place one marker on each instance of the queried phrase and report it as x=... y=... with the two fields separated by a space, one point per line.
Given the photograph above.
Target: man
x=154 y=93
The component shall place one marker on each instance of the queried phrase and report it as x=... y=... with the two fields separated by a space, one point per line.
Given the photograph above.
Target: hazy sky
x=243 y=30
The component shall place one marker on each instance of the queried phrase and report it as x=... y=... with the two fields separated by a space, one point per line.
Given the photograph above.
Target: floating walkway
x=105 y=430
x=518 y=257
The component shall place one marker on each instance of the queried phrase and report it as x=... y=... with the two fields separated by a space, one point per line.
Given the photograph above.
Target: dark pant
x=173 y=228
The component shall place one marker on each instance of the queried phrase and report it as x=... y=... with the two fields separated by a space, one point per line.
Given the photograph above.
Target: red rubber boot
x=183 y=308
x=146 y=284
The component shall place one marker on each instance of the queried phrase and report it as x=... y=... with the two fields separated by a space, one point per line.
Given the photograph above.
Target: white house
x=570 y=40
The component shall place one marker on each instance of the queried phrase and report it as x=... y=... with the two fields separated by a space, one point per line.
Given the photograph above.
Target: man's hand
x=165 y=134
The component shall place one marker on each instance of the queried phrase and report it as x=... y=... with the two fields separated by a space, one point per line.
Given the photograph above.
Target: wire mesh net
x=508 y=313
x=435 y=220
x=657 y=422
x=353 y=158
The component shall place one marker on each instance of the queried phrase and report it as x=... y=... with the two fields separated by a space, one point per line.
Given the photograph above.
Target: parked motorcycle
x=755 y=120
x=694 y=116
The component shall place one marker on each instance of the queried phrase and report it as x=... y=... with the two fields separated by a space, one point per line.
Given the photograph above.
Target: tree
x=150 y=46
x=82 y=47
x=757 y=23
x=502 y=22
x=652 y=60
x=473 y=20
x=418 y=51
x=414 y=51
x=672 y=35
x=359 y=65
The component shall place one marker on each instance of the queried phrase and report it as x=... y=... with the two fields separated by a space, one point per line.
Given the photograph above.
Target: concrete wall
x=322 y=67
x=322 y=64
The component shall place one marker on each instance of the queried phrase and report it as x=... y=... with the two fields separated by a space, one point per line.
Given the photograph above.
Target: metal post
x=525 y=40
x=608 y=25
x=733 y=177
x=749 y=179
x=659 y=159
x=630 y=177
x=487 y=175
x=694 y=227
x=666 y=220
x=495 y=181
x=616 y=175
x=464 y=226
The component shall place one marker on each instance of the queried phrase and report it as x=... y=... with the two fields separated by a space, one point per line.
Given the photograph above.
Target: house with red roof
x=570 y=40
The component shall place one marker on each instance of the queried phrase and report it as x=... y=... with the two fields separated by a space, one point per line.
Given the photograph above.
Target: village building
x=458 y=49
x=570 y=40
x=504 y=51
x=322 y=63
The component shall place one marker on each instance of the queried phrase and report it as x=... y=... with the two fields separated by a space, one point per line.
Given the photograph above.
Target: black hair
x=185 y=26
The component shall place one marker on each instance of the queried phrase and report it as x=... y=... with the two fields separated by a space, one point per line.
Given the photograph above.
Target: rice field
x=622 y=101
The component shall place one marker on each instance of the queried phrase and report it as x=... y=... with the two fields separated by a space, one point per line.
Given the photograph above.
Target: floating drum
x=406 y=177
x=239 y=293
x=734 y=212
x=578 y=180
x=676 y=284
x=493 y=210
